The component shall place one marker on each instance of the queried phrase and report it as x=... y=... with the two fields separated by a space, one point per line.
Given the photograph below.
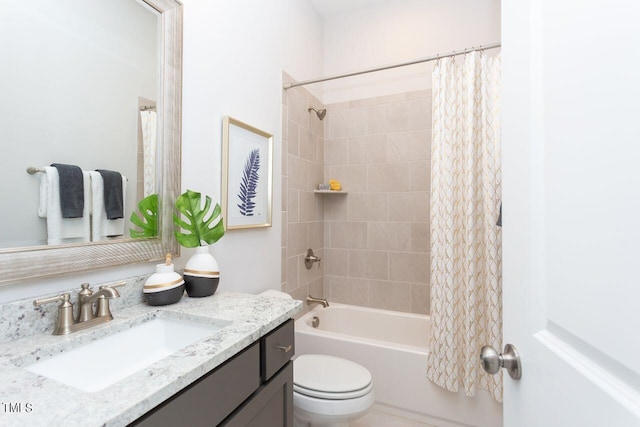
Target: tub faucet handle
x=310 y=258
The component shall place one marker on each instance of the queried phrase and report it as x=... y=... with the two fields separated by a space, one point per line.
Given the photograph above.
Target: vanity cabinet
x=253 y=388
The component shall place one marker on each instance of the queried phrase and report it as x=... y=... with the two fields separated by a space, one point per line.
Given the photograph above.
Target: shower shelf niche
x=330 y=192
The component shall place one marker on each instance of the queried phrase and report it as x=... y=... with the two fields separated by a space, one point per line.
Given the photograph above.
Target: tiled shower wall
x=302 y=210
x=373 y=241
x=377 y=236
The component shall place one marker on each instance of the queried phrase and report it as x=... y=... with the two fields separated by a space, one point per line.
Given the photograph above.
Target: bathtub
x=393 y=347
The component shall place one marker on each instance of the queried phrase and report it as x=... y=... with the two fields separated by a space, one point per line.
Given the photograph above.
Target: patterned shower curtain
x=466 y=254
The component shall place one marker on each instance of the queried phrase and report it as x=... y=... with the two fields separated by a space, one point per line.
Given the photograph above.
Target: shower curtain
x=466 y=264
x=148 y=118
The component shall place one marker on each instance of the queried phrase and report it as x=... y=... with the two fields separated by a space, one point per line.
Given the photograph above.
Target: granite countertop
x=33 y=400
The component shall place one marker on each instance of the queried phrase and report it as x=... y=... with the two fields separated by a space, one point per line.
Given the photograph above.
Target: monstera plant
x=147 y=221
x=198 y=228
x=199 y=224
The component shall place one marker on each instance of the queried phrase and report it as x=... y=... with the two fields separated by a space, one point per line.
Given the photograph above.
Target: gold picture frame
x=247 y=175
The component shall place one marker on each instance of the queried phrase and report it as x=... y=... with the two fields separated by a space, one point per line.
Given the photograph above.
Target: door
x=571 y=196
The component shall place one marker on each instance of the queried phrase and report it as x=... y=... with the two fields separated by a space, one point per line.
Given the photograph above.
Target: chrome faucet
x=87 y=316
x=312 y=300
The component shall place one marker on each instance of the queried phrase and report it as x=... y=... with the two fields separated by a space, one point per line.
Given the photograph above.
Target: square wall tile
x=349 y=290
x=308 y=146
x=420 y=237
x=298 y=176
x=292 y=273
x=390 y=295
x=292 y=205
x=388 y=177
x=409 y=267
x=297 y=105
x=315 y=176
x=316 y=235
x=310 y=207
x=369 y=264
x=368 y=206
x=293 y=140
x=420 y=114
x=420 y=176
x=368 y=149
x=348 y=235
x=335 y=151
x=298 y=241
x=389 y=236
x=336 y=207
x=408 y=146
x=336 y=262
x=420 y=298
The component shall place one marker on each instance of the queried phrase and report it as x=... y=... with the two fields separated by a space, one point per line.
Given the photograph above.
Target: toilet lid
x=330 y=377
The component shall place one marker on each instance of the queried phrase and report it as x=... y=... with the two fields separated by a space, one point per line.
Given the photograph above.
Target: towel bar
x=31 y=170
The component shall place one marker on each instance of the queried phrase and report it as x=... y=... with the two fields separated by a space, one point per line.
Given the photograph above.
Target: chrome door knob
x=492 y=361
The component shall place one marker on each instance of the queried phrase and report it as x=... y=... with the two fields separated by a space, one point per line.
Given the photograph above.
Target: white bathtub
x=393 y=346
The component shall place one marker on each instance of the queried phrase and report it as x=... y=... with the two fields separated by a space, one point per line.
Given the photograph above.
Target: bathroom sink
x=101 y=363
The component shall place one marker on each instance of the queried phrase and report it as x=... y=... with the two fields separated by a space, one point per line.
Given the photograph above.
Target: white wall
x=234 y=54
x=399 y=31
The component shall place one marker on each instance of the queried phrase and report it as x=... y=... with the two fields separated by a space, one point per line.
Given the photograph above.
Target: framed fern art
x=247 y=175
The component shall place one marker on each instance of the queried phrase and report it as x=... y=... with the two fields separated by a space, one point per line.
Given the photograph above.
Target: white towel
x=62 y=230
x=103 y=228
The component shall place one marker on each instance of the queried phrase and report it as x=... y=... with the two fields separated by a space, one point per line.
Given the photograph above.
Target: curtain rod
x=387 y=67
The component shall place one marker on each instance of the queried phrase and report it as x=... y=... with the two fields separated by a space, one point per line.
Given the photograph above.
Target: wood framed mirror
x=23 y=262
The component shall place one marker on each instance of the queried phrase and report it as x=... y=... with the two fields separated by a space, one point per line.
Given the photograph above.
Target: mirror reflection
x=80 y=82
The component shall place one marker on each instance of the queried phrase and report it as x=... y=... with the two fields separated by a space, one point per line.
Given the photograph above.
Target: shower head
x=320 y=113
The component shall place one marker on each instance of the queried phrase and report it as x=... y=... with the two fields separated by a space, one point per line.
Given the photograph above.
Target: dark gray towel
x=113 y=201
x=71 y=190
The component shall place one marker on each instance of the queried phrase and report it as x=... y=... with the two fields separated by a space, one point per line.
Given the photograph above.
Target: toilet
x=328 y=391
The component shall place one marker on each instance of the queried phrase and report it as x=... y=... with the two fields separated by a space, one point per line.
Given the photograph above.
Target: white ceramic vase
x=201 y=274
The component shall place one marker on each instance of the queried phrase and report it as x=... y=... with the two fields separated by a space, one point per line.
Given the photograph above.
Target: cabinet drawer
x=276 y=349
x=209 y=400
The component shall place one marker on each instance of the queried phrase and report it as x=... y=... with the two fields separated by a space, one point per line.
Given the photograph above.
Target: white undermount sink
x=101 y=363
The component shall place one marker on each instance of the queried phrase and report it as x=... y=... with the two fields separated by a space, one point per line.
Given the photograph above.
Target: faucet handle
x=114 y=285
x=65 y=298
x=103 y=302
x=65 y=312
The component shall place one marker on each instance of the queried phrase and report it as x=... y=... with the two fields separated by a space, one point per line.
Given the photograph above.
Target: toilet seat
x=329 y=377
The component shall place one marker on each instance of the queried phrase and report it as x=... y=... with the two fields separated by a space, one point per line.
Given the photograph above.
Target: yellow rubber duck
x=335 y=185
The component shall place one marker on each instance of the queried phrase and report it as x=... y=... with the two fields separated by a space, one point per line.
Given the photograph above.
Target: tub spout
x=312 y=300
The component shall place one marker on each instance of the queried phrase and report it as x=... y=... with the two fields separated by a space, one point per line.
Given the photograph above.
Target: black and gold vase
x=201 y=274
x=165 y=286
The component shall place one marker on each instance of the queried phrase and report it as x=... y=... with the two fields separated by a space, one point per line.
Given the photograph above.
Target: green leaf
x=148 y=224
x=200 y=225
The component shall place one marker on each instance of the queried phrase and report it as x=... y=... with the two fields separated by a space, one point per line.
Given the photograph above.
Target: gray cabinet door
x=209 y=400
x=271 y=406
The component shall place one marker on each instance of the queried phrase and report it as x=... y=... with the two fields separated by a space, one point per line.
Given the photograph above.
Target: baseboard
x=414 y=416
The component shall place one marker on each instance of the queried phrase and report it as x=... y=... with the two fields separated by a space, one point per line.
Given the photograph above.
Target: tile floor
x=376 y=418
